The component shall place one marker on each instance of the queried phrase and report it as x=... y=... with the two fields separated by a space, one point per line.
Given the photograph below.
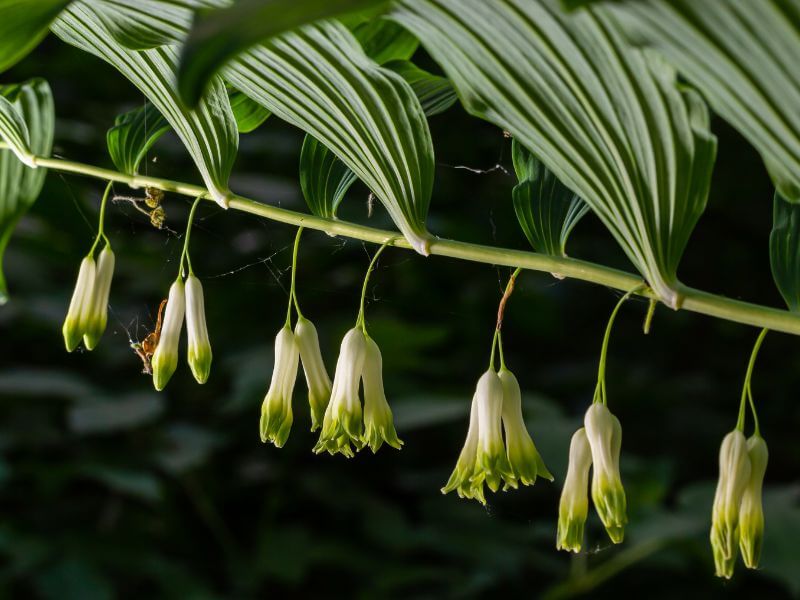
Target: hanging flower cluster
x=352 y=412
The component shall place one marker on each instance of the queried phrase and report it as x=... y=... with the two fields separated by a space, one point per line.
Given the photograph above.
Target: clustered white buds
x=87 y=315
x=597 y=444
x=486 y=457
x=737 y=518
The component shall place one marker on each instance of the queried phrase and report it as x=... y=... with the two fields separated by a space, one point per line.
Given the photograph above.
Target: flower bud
x=378 y=422
x=525 y=461
x=465 y=466
x=342 y=424
x=604 y=433
x=319 y=384
x=97 y=314
x=165 y=357
x=276 y=410
x=198 y=352
x=734 y=475
x=751 y=512
x=574 y=505
x=75 y=321
x=491 y=463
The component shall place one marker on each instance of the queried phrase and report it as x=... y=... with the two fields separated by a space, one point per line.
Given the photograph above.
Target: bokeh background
x=111 y=490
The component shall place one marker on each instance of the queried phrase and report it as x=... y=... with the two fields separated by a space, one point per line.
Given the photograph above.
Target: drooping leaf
x=546 y=209
x=743 y=57
x=132 y=135
x=20 y=185
x=324 y=179
x=436 y=94
x=384 y=40
x=319 y=79
x=249 y=114
x=14 y=132
x=221 y=35
x=608 y=120
x=208 y=132
x=784 y=250
x=23 y=24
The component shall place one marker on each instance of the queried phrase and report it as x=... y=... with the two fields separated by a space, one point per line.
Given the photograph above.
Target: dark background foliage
x=108 y=489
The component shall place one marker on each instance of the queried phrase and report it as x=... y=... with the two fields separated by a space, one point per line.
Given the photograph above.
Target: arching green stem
x=747 y=392
x=600 y=390
x=102 y=220
x=185 y=253
x=292 y=292
x=360 y=320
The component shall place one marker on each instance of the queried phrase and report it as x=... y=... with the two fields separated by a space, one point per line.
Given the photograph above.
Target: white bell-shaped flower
x=491 y=464
x=276 y=410
x=97 y=313
x=165 y=357
x=378 y=420
x=604 y=433
x=574 y=505
x=461 y=477
x=319 y=384
x=198 y=352
x=734 y=476
x=75 y=321
x=751 y=511
x=342 y=424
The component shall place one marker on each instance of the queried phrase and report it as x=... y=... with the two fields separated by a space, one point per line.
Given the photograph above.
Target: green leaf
x=23 y=24
x=319 y=79
x=608 y=121
x=743 y=57
x=32 y=112
x=324 y=179
x=133 y=135
x=435 y=93
x=384 y=40
x=208 y=132
x=546 y=209
x=784 y=250
x=220 y=35
x=249 y=115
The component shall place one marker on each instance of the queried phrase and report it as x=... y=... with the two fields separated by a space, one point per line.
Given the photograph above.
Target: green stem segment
x=497 y=340
x=185 y=253
x=102 y=220
x=747 y=392
x=360 y=320
x=600 y=390
x=292 y=290
x=694 y=300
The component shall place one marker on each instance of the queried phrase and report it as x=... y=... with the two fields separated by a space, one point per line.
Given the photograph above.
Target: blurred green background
x=108 y=489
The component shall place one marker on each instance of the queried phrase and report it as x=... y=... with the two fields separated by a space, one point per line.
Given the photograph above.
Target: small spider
x=152 y=199
x=147 y=347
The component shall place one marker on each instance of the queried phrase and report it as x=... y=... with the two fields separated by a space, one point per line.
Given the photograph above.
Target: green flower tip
x=276 y=410
x=276 y=420
x=573 y=507
x=751 y=512
x=378 y=418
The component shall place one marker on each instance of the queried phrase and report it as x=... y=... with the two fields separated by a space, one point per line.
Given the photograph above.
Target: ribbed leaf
x=208 y=132
x=324 y=179
x=607 y=120
x=784 y=250
x=546 y=209
x=14 y=132
x=221 y=35
x=744 y=56
x=384 y=40
x=249 y=114
x=436 y=94
x=23 y=24
x=132 y=136
x=319 y=79
x=20 y=185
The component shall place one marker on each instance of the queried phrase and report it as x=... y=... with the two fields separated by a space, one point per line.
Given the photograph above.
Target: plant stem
x=360 y=320
x=600 y=390
x=292 y=293
x=185 y=254
x=693 y=300
x=497 y=341
x=102 y=220
x=747 y=392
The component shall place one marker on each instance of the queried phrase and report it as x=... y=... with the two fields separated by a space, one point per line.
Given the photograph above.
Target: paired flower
x=597 y=444
x=87 y=315
x=292 y=348
x=737 y=518
x=345 y=426
x=486 y=457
